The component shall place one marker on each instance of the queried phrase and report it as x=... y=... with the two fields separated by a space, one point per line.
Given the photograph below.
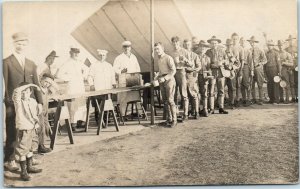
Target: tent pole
x=152 y=59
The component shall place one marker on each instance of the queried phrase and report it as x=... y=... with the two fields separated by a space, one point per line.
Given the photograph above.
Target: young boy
x=48 y=86
x=26 y=122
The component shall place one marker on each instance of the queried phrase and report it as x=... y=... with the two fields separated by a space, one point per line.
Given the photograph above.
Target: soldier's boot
x=30 y=168
x=293 y=95
x=221 y=106
x=212 y=105
x=204 y=110
x=24 y=174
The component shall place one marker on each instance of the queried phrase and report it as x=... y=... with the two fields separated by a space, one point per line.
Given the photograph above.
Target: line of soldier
x=195 y=68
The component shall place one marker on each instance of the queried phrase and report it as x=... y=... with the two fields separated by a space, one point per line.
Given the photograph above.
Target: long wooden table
x=60 y=99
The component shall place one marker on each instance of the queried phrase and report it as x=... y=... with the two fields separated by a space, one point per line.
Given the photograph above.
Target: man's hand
x=40 y=108
x=161 y=79
x=124 y=70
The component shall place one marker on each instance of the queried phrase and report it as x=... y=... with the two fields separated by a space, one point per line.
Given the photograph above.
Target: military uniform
x=272 y=69
x=167 y=70
x=192 y=83
x=217 y=57
x=180 y=77
x=245 y=83
x=287 y=74
x=256 y=59
x=293 y=51
x=234 y=65
x=205 y=83
x=239 y=53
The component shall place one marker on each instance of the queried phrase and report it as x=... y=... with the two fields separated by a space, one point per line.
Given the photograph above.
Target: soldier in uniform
x=272 y=69
x=292 y=49
x=233 y=66
x=203 y=81
x=287 y=67
x=256 y=59
x=195 y=42
x=246 y=75
x=218 y=58
x=238 y=52
x=192 y=77
x=180 y=56
x=167 y=83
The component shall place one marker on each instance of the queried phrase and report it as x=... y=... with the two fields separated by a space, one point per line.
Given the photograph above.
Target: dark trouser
x=11 y=133
x=203 y=86
x=288 y=76
x=168 y=91
x=181 y=84
x=273 y=88
x=259 y=79
x=245 y=83
x=231 y=85
x=192 y=85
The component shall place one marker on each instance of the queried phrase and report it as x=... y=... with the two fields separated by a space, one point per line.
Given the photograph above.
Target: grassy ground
x=255 y=145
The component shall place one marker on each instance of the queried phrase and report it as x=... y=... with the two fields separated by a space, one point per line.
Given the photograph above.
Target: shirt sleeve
x=172 y=68
x=263 y=58
x=137 y=65
x=117 y=65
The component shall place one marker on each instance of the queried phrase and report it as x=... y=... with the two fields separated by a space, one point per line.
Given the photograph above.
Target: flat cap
x=20 y=36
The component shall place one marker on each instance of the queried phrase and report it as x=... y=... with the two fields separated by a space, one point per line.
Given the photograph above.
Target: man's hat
x=126 y=44
x=103 y=52
x=280 y=43
x=270 y=43
x=74 y=50
x=242 y=39
x=202 y=43
x=253 y=39
x=214 y=38
x=228 y=42
x=52 y=54
x=20 y=36
x=234 y=34
x=175 y=39
x=290 y=38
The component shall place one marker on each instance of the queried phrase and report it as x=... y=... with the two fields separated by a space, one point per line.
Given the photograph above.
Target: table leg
x=101 y=110
x=115 y=120
x=87 y=121
x=70 y=132
x=56 y=124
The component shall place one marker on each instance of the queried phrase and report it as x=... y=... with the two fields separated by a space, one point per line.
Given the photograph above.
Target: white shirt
x=123 y=61
x=73 y=71
x=102 y=75
x=20 y=58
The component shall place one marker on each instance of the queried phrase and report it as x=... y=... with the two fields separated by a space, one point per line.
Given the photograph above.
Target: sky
x=49 y=24
x=277 y=18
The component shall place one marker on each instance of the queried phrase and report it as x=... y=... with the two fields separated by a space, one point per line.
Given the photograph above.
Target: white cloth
x=102 y=75
x=74 y=72
x=123 y=61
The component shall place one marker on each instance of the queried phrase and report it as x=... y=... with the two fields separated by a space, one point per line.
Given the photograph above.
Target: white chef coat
x=123 y=61
x=73 y=71
x=131 y=63
x=102 y=75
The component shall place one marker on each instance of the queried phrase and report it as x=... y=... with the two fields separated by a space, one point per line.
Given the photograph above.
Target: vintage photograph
x=150 y=93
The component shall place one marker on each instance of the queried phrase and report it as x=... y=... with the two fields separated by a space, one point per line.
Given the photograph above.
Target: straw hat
x=20 y=36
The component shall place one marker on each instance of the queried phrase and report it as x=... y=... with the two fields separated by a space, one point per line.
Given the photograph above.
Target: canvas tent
x=117 y=21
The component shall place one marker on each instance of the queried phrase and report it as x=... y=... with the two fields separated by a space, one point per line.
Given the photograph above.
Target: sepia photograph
x=150 y=93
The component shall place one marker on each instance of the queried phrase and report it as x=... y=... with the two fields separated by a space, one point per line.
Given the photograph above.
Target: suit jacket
x=14 y=74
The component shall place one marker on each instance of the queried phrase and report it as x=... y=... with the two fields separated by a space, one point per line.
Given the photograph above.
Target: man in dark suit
x=16 y=69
